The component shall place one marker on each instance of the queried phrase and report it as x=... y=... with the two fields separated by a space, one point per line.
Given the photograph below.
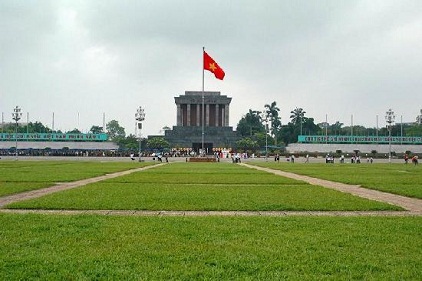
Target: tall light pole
x=140 y=116
x=266 y=139
x=389 y=119
x=264 y=117
x=16 y=115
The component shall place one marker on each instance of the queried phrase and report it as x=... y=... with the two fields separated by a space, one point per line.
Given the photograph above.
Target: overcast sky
x=80 y=59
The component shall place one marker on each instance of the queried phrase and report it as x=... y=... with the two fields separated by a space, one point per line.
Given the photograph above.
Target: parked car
x=329 y=158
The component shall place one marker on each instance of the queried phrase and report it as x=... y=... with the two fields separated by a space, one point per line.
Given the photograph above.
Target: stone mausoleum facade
x=187 y=134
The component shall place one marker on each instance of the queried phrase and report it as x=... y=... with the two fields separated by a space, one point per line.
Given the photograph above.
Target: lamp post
x=16 y=115
x=389 y=119
x=140 y=116
x=265 y=118
x=266 y=139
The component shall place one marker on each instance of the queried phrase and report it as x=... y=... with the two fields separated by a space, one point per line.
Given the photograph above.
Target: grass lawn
x=98 y=247
x=20 y=176
x=393 y=178
x=89 y=247
x=203 y=186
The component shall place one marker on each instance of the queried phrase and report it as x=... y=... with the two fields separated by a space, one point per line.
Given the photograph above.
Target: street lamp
x=140 y=116
x=16 y=115
x=266 y=139
x=389 y=119
x=265 y=118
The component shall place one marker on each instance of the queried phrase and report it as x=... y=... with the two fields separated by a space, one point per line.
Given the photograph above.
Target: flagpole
x=203 y=100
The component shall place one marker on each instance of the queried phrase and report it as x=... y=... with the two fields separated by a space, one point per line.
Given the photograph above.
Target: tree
x=128 y=143
x=10 y=128
x=263 y=139
x=288 y=133
x=37 y=127
x=250 y=124
x=309 y=126
x=412 y=131
x=115 y=131
x=271 y=114
x=359 y=130
x=371 y=131
x=74 y=131
x=157 y=143
x=96 y=130
x=297 y=116
x=31 y=127
x=335 y=128
x=298 y=124
x=247 y=144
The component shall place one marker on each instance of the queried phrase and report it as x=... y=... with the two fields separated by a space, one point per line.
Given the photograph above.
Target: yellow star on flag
x=212 y=67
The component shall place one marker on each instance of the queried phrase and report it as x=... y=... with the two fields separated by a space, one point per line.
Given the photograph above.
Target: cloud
x=86 y=58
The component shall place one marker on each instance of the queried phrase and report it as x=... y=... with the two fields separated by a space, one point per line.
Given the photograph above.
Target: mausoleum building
x=202 y=113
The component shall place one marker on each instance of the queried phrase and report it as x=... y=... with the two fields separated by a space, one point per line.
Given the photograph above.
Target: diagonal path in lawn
x=64 y=186
x=413 y=205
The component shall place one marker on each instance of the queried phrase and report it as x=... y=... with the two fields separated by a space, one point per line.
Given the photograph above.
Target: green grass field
x=88 y=247
x=20 y=176
x=393 y=178
x=99 y=247
x=203 y=187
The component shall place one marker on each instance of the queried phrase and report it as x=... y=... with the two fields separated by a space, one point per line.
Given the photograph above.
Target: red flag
x=211 y=65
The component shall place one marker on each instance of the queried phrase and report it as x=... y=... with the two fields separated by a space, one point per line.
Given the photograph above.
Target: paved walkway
x=217 y=213
x=412 y=206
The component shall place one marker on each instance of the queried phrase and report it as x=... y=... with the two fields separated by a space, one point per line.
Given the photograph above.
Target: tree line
x=256 y=129
x=260 y=129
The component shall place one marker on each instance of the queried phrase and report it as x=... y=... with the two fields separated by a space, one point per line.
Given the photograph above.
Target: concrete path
x=216 y=213
x=413 y=206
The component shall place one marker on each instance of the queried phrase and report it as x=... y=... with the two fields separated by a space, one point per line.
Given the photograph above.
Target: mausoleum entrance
x=208 y=146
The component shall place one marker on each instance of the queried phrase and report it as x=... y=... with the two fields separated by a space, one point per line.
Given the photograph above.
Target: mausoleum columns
x=195 y=111
x=217 y=108
x=226 y=115
x=188 y=114
x=198 y=115
x=179 y=115
x=207 y=115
